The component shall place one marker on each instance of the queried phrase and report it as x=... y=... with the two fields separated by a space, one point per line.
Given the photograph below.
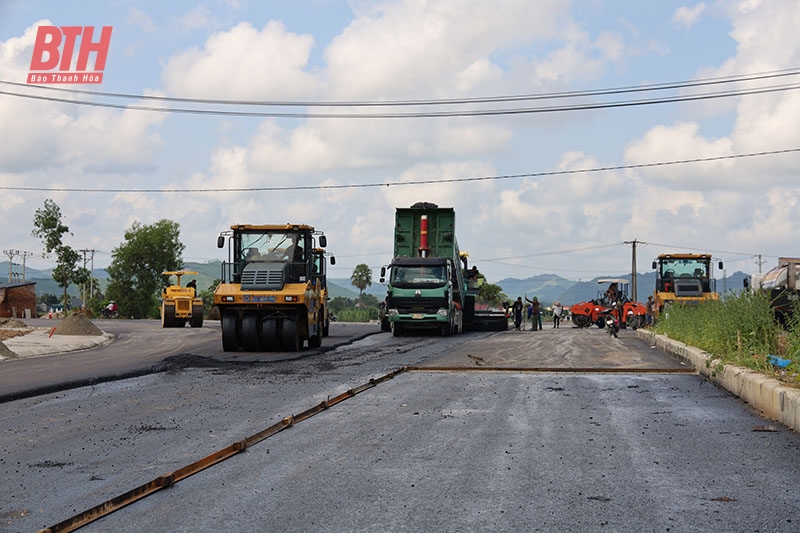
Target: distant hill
x=547 y=287
x=645 y=284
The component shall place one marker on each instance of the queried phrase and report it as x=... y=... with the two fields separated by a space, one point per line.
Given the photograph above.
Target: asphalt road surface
x=140 y=347
x=557 y=430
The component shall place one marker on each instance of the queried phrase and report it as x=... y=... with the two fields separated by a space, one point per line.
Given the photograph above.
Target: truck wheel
x=290 y=338
x=167 y=316
x=250 y=338
x=230 y=337
x=447 y=329
x=397 y=330
x=197 y=316
x=269 y=334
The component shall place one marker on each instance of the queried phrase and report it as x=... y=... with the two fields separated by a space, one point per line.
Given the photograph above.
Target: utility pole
x=11 y=254
x=24 y=255
x=633 y=244
x=91 y=276
x=759 y=263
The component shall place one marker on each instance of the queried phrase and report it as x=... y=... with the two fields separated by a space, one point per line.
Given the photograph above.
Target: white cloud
x=686 y=17
x=409 y=47
x=197 y=18
x=680 y=142
x=244 y=62
x=141 y=19
x=48 y=134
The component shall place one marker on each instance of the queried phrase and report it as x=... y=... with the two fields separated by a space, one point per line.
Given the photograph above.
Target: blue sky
x=572 y=224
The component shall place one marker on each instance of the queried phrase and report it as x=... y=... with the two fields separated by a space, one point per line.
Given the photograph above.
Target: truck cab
x=420 y=295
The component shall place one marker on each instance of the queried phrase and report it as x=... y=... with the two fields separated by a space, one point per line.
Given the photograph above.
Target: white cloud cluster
x=687 y=17
x=244 y=63
x=407 y=49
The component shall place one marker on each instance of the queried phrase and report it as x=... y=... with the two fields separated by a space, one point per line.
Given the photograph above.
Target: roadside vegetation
x=739 y=330
x=361 y=309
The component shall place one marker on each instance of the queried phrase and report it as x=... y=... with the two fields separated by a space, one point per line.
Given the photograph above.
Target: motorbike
x=612 y=322
x=108 y=313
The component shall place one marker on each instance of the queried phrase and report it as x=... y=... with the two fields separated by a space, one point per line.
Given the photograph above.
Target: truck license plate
x=417 y=316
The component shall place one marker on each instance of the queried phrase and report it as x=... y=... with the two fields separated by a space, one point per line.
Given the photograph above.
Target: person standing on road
x=536 y=314
x=557 y=314
x=648 y=310
x=517 y=308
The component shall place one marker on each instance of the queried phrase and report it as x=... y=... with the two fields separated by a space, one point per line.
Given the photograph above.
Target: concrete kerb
x=768 y=395
x=40 y=341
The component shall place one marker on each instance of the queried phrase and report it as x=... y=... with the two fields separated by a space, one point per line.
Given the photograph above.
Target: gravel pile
x=6 y=353
x=77 y=324
x=12 y=323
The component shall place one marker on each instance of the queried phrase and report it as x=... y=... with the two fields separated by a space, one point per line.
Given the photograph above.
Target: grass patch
x=739 y=330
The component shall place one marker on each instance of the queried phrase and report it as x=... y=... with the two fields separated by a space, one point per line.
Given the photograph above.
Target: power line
x=446 y=101
x=425 y=114
x=540 y=254
x=749 y=254
x=405 y=183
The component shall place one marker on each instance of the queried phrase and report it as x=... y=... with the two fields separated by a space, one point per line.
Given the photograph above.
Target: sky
x=472 y=125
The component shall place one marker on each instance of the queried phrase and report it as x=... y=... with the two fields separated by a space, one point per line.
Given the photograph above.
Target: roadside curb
x=40 y=341
x=768 y=395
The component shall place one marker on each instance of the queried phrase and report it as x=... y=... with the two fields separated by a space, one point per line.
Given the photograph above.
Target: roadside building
x=18 y=300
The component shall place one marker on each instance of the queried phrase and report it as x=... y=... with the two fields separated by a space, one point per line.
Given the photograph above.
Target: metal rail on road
x=109 y=506
x=552 y=369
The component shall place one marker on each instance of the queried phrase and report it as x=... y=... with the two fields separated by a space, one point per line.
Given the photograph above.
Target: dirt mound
x=77 y=324
x=5 y=352
x=14 y=323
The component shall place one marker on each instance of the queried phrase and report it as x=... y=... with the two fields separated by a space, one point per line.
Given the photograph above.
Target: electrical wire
x=420 y=114
x=404 y=183
x=446 y=101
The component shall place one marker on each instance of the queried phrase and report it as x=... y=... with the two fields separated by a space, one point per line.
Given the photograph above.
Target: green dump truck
x=427 y=286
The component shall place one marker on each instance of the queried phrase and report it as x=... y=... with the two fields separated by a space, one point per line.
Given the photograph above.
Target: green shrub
x=357 y=314
x=740 y=329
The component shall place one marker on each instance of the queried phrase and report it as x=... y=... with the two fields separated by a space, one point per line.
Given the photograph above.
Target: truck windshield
x=684 y=268
x=280 y=246
x=414 y=276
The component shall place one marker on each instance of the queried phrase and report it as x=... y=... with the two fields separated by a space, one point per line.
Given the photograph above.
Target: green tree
x=49 y=227
x=368 y=300
x=48 y=299
x=135 y=271
x=208 y=300
x=340 y=302
x=492 y=295
x=361 y=277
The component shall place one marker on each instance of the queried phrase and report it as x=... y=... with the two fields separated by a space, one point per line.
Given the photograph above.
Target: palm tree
x=361 y=278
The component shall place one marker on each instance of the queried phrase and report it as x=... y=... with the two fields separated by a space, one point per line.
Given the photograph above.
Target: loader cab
x=687 y=274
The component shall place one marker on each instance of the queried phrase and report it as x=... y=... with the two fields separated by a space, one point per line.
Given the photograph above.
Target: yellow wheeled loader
x=180 y=304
